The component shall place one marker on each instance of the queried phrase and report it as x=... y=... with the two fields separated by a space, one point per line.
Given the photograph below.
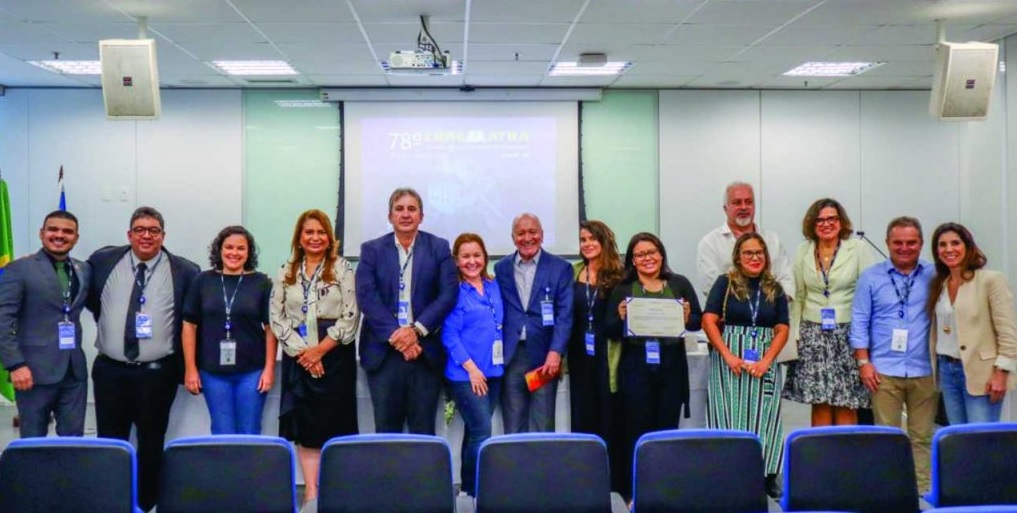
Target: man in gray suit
x=41 y=298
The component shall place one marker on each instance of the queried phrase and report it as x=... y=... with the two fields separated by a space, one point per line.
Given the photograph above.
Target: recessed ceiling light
x=561 y=69
x=70 y=67
x=832 y=69
x=455 y=69
x=254 y=67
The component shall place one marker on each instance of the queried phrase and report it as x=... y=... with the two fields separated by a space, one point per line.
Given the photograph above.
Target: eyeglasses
x=754 y=255
x=827 y=220
x=645 y=254
x=154 y=231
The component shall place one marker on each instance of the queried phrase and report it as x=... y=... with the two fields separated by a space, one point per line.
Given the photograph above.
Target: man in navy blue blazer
x=406 y=285
x=536 y=289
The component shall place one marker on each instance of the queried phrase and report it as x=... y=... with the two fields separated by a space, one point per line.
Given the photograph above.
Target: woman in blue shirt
x=472 y=337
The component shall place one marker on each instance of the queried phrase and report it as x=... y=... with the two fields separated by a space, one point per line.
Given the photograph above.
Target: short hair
x=466 y=238
x=904 y=222
x=215 y=248
x=526 y=215
x=809 y=221
x=735 y=185
x=60 y=214
x=142 y=212
x=404 y=191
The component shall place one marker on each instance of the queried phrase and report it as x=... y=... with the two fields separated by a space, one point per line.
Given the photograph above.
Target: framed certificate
x=654 y=317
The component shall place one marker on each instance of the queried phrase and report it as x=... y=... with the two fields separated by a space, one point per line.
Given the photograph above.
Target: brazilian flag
x=6 y=255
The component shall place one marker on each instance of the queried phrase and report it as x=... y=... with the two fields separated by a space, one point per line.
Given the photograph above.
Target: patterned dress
x=742 y=402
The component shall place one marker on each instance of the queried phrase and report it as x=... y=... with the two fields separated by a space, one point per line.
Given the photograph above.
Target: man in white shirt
x=713 y=256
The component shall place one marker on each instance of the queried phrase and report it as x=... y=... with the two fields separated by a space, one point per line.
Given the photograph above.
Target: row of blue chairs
x=859 y=469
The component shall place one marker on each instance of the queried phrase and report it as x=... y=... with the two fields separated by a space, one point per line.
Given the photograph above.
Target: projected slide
x=475 y=172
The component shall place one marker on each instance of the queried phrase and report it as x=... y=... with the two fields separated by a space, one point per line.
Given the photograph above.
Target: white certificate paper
x=652 y=317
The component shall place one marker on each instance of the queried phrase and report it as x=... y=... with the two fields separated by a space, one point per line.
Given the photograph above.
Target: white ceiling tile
x=322 y=67
x=506 y=68
x=349 y=80
x=49 y=10
x=209 y=51
x=987 y=33
x=18 y=32
x=595 y=35
x=683 y=53
x=175 y=11
x=426 y=80
x=901 y=35
x=15 y=72
x=593 y=81
x=405 y=33
x=971 y=12
x=94 y=32
x=511 y=52
x=35 y=52
x=528 y=33
x=323 y=33
x=649 y=11
x=525 y=10
x=872 y=82
x=300 y=52
x=911 y=69
x=503 y=81
x=723 y=82
x=784 y=53
x=703 y=35
x=190 y=81
x=770 y=13
x=184 y=33
x=669 y=69
x=652 y=81
x=371 y=11
x=860 y=13
x=820 y=36
x=300 y=11
x=883 y=53
x=802 y=83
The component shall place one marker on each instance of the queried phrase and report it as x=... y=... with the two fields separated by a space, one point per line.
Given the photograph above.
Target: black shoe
x=772 y=486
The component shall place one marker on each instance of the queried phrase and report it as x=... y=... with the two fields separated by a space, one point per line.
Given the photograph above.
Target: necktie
x=63 y=277
x=131 y=350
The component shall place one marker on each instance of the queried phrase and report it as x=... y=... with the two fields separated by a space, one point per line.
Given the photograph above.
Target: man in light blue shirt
x=890 y=338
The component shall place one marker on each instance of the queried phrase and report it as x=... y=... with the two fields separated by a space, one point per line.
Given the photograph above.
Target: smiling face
x=406 y=215
x=740 y=206
x=58 y=236
x=647 y=259
x=828 y=224
x=752 y=258
x=146 y=237
x=314 y=238
x=951 y=250
x=528 y=235
x=471 y=261
x=589 y=246
x=905 y=244
x=234 y=254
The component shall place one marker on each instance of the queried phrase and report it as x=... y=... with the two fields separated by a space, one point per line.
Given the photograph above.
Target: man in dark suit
x=137 y=296
x=536 y=289
x=406 y=285
x=41 y=298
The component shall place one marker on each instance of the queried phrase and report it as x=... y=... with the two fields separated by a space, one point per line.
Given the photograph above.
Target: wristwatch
x=862 y=362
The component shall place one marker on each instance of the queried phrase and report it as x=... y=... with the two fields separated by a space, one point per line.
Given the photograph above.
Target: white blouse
x=946 y=323
x=328 y=300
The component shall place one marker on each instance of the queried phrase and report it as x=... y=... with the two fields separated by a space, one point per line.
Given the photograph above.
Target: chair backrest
x=58 y=475
x=1012 y=508
x=386 y=473
x=866 y=469
x=234 y=473
x=974 y=464
x=698 y=471
x=560 y=472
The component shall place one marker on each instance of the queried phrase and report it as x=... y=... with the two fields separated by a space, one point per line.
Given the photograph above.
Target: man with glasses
x=890 y=338
x=713 y=256
x=536 y=289
x=41 y=298
x=137 y=294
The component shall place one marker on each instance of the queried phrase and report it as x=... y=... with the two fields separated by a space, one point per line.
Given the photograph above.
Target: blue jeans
x=962 y=407
x=476 y=412
x=234 y=402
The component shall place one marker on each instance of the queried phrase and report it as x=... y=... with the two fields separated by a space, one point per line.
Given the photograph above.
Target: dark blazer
x=435 y=289
x=182 y=270
x=31 y=305
x=553 y=279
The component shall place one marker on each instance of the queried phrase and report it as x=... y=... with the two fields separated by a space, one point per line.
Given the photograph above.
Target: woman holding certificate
x=653 y=375
x=746 y=320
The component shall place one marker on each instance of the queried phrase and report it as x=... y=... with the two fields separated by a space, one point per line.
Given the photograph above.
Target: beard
x=743 y=221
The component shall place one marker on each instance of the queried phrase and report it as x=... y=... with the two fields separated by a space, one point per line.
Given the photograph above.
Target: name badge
x=590 y=343
x=227 y=352
x=66 y=334
x=547 y=312
x=302 y=330
x=829 y=318
x=653 y=352
x=498 y=352
x=750 y=355
x=403 y=313
x=142 y=325
x=899 y=342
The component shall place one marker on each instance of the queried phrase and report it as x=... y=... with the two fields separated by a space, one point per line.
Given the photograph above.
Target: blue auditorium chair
x=1011 y=508
x=974 y=464
x=865 y=469
x=228 y=473
x=68 y=475
x=698 y=471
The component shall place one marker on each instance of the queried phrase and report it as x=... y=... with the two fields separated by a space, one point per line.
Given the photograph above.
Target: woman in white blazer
x=974 y=331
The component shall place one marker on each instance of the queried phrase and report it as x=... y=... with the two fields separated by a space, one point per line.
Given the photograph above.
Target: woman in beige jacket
x=974 y=333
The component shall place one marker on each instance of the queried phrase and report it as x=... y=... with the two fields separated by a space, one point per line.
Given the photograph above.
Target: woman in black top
x=229 y=352
x=653 y=374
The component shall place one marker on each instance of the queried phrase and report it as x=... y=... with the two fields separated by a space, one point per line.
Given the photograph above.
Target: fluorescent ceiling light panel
x=455 y=69
x=832 y=69
x=254 y=67
x=70 y=67
x=562 y=69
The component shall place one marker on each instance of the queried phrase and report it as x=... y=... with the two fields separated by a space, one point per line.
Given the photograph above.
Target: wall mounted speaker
x=963 y=81
x=130 y=79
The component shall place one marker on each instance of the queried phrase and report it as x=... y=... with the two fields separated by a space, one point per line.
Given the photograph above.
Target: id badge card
x=498 y=352
x=142 y=325
x=227 y=352
x=302 y=330
x=590 y=340
x=403 y=313
x=547 y=313
x=750 y=355
x=653 y=352
x=66 y=334
x=829 y=318
x=899 y=342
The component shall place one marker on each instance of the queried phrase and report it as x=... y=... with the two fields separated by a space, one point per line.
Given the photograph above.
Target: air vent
x=270 y=81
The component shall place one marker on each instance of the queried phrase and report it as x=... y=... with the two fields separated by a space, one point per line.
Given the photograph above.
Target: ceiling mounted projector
x=415 y=60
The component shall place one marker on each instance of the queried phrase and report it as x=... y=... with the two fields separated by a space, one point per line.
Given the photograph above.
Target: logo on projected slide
x=407 y=140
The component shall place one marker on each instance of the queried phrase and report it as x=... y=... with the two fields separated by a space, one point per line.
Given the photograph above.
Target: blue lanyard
x=229 y=302
x=902 y=299
x=143 y=283
x=825 y=271
x=754 y=312
x=485 y=299
x=308 y=283
x=591 y=299
x=402 y=270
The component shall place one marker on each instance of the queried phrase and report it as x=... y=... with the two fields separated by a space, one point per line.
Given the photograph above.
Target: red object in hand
x=536 y=379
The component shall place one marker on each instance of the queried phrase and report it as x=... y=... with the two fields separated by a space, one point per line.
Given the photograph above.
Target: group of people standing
x=859 y=334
